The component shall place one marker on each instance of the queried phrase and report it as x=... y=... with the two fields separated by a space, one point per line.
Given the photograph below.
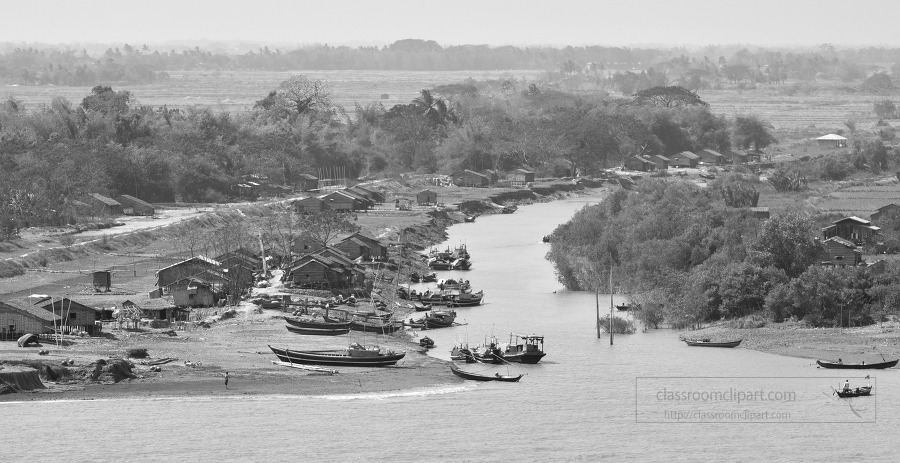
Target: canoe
x=857 y=392
x=713 y=344
x=317 y=331
x=375 y=327
x=858 y=366
x=351 y=357
x=319 y=324
x=477 y=377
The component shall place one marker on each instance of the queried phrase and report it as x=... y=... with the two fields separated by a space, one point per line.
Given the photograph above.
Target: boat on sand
x=479 y=377
x=355 y=355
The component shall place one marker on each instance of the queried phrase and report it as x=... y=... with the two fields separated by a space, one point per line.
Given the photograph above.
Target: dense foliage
x=687 y=258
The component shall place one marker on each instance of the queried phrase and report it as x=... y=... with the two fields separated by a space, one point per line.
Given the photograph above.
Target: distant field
x=858 y=200
x=238 y=90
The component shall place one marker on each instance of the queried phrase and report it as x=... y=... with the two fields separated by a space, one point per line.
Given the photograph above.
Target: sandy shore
x=237 y=345
x=852 y=345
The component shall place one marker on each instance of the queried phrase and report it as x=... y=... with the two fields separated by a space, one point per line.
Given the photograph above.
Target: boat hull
x=714 y=344
x=300 y=323
x=335 y=358
x=529 y=359
x=387 y=328
x=858 y=366
x=858 y=392
x=317 y=331
x=476 y=377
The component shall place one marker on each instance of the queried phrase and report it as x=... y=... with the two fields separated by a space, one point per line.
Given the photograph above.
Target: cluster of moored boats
x=457 y=258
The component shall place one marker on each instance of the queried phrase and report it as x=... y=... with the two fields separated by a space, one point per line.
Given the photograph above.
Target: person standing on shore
x=226 y=380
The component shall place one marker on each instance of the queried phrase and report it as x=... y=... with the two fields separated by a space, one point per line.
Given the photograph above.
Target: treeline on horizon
x=56 y=154
x=686 y=257
x=131 y=63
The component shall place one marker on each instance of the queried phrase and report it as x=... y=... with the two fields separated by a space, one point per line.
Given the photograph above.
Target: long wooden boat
x=713 y=344
x=317 y=331
x=354 y=356
x=477 y=377
x=376 y=326
x=315 y=323
x=858 y=366
x=857 y=392
x=465 y=299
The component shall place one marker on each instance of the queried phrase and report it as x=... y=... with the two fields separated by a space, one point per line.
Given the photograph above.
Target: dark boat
x=429 y=278
x=477 y=377
x=439 y=264
x=426 y=342
x=460 y=264
x=705 y=343
x=373 y=326
x=858 y=366
x=857 y=392
x=491 y=353
x=465 y=299
x=439 y=319
x=462 y=353
x=315 y=323
x=354 y=356
x=318 y=331
x=623 y=307
x=509 y=209
x=451 y=284
x=414 y=277
x=546 y=238
x=530 y=350
x=470 y=218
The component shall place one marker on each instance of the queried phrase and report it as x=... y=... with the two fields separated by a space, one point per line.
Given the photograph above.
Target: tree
x=789 y=241
x=325 y=226
x=668 y=97
x=298 y=95
x=885 y=109
x=750 y=131
x=106 y=101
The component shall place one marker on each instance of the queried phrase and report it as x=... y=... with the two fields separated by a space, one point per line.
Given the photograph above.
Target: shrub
x=750 y=321
x=137 y=353
x=619 y=325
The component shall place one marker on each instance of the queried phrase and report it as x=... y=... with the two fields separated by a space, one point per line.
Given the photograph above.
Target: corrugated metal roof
x=831 y=136
x=200 y=258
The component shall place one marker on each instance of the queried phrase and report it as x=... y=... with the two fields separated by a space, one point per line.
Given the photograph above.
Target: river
x=647 y=397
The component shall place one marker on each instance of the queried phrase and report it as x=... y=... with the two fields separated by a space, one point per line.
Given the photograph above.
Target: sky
x=456 y=22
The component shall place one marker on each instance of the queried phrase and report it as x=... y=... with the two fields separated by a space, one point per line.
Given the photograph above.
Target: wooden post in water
x=598 y=313
x=610 y=306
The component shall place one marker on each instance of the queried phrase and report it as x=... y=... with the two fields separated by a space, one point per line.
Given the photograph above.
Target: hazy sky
x=449 y=22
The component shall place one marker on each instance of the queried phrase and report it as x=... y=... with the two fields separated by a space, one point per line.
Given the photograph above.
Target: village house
x=884 y=211
x=426 y=198
x=854 y=229
x=193 y=292
x=153 y=309
x=661 y=161
x=362 y=200
x=307 y=182
x=17 y=319
x=135 y=206
x=242 y=256
x=359 y=245
x=841 y=253
x=684 y=159
x=832 y=141
x=75 y=314
x=640 y=164
x=710 y=157
x=468 y=178
x=311 y=205
x=374 y=196
x=186 y=268
x=322 y=272
x=305 y=245
x=520 y=177
x=341 y=201
x=736 y=157
x=105 y=206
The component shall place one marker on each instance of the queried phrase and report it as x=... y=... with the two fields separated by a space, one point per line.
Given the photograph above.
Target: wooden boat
x=858 y=366
x=465 y=299
x=439 y=264
x=318 y=331
x=460 y=264
x=426 y=342
x=623 y=307
x=451 y=284
x=857 y=392
x=530 y=350
x=478 y=377
x=462 y=353
x=439 y=319
x=509 y=209
x=704 y=343
x=470 y=218
x=490 y=353
x=315 y=323
x=373 y=326
x=354 y=356
x=429 y=278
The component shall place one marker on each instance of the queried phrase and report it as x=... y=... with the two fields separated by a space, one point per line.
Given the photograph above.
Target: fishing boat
x=708 y=343
x=429 y=277
x=426 y=342
x=530 y=350
x=375 y=326
x=489 y=353
x=318 y=331
x=839 y=365
x=465 y=299
x=439 y=318
x=623 y=307
x=469 y=218
x=856 y=392
x=439 y=264
x=462 y=353
x=460 y=264
x=355 y=355
x=304 y=322
x=451 y=284
x=479 y=377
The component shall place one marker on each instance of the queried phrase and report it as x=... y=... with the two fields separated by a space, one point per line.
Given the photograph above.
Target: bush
x=750 y=321
x=619 y=325
x=137 y=353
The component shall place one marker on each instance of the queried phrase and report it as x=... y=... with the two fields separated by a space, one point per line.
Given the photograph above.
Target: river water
x=647 y=397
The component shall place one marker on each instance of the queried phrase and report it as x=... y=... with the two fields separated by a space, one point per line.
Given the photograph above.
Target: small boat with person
x=848 y=392
x=840 y=365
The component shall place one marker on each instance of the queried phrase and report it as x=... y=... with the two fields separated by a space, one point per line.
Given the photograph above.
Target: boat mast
x=598 y=312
